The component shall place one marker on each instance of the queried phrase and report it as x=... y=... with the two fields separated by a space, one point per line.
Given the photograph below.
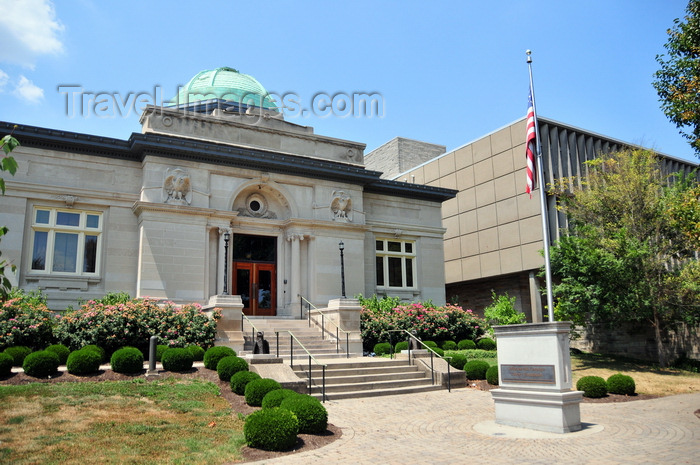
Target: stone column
x=535 y=299
x=296 y=274
x=221 y=261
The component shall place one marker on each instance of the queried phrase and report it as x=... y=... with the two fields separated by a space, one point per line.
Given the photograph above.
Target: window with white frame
x=66 y=242
x=396 y=261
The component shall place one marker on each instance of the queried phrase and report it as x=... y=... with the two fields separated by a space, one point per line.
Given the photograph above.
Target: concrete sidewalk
x=441 y=428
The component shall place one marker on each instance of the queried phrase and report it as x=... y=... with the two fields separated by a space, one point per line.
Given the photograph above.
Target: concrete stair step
x=371 y=386
x=376 y=392
x=317 y=378
x=341 y=372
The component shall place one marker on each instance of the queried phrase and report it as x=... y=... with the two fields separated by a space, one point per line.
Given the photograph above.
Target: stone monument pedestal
x=534 y=373
x=228 y=328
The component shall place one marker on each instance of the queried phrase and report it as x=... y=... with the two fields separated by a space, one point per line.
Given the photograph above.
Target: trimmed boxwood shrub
x=18 y=354
x=83 y=362
x=241 y=379
x=458 y=361
x=160 y=348
x=492 y=375
x=62 y=351
x=438 y=351
x=431 y=344
x=312 y=416
x=402 y=345
x=486 y=344
x=6 y=362
x=449 y=345
x=216 y=353
x=476 y=369
x=382 y=348
x=100 y=351
x=592 y=386
x=256 y=390
x=40 y=364
x=127 y=360
x=177 y=359
x=229 y=366
x=275 y=398
x=271 y=429
x=466 y=344
x=621 y=384
x=197 y=352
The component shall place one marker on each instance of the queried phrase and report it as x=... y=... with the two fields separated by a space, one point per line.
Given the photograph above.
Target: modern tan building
x=493 y=238
x=216 y=195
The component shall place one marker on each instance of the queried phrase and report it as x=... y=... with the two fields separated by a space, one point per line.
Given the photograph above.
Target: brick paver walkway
x=441 y=428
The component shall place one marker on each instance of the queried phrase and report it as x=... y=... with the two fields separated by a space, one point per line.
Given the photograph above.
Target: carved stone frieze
x=177 y=187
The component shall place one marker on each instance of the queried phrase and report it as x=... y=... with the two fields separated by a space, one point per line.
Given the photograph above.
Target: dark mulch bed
x=482 y=385
x=305 y=442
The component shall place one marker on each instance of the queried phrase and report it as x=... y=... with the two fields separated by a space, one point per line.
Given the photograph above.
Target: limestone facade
x=150 y=215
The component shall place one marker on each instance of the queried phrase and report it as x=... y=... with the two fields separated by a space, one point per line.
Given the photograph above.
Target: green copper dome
x=225 y=84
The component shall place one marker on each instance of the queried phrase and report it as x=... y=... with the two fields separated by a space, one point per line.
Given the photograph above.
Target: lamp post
x=227 y=237
x=341 y=246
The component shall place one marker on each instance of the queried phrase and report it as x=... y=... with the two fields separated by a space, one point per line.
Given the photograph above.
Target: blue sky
x=447 y=72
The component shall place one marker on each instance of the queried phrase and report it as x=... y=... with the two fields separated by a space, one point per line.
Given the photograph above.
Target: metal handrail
x=432 y=366
x=293 y=338
x=323 y=327
x=245 y=317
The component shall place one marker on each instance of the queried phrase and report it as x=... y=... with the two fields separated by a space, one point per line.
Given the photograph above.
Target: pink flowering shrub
x=430 y=322
x=25 y=320
x=133 y=322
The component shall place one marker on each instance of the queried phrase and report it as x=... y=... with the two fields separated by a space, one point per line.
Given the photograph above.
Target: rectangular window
x=66 y=242
x=395 y=264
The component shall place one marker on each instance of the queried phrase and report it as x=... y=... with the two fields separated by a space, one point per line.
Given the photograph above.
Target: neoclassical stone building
x=216 y=195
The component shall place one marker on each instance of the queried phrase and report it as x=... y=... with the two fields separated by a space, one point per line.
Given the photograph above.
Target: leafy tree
x=502 y=311
x=629 y=253
x=678 y=80
x=8 y=144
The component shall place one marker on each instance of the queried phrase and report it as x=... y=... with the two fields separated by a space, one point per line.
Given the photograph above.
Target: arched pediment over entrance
x=263 y=199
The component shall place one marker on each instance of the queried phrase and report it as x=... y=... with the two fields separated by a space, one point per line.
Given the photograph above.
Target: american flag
x=530 y=141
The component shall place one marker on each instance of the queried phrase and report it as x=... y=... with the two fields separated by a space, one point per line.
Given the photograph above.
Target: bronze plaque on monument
x=534 y=374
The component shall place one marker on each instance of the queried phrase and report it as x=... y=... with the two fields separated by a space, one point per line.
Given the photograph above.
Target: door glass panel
x=243 y=286
x=254 y=248
x=264 y=289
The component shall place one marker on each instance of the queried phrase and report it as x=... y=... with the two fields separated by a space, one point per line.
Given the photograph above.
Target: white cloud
x=28 y=29
x=28 y=91
x=4 y=78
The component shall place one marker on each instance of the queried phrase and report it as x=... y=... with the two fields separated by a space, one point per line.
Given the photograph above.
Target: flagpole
x=543 y=198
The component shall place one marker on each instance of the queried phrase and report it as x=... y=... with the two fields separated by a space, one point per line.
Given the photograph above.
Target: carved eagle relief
x=176 y=187
x=341 y=206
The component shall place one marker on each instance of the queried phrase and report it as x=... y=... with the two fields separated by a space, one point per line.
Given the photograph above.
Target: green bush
x=687 y=364
x=466 y=344
x=62 y=351
x=275 y=398
x=25 y=320
x=40 y=364
x=197 y=352
x=458 y=360
x=177 y=359
x=118 y=324
x=438 y=351
x=402 y=345
x=241 y=379
x=216 y=353
x=431 y=344
x=256 y=390
x=229 y=366
x=492 y=375
x=621 y=384
x=83 y=362
x=382 y=348
x=476 y=369
x=99 y=350
x=271 y=429
x=127 y=360
x=502 y=311
x=6 y=362
x=160 y=348
x=312 y=415
x=486 y=344
x=18 y=354
x=449 y=345
x=480 y=354
x=592 y=386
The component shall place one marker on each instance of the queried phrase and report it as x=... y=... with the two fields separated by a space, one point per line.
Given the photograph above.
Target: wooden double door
x=256 y=283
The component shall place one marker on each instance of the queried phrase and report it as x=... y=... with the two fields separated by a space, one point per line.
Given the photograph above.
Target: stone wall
x=636 y=341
